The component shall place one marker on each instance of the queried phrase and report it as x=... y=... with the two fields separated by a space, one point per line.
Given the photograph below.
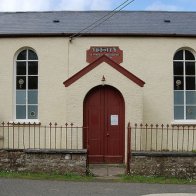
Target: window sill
x=26 y=122
x=183 y=122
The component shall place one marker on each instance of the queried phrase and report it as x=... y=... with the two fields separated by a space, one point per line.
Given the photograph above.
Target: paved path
x=102 y=170
x=16 y=187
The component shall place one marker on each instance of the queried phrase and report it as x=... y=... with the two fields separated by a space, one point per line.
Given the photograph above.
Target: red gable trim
x=110 y=62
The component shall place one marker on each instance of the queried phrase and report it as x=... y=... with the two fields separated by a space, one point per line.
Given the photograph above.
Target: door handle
x=108 y=134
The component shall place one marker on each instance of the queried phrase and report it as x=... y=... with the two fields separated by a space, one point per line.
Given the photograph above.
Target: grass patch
x=91 y=178
x=156 y=180
x=45 y=176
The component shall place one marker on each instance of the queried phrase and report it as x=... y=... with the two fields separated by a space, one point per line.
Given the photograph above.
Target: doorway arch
x=104 y=115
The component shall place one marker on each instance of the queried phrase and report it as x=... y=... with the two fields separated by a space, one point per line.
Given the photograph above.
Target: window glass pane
x=20 y=112
x=32 y=55
x=178 y=55
x=190 y=68
x=20 y=97
x=32 y=97
x=190 y=97
x=189 y=55
x=190 y=83
x=20 y=82
x=178 y=83
x=33 y=82
x=22 y=55
x=179 y=97
x=21 y=68
x=191 y=112
x=33 y=68
x=32 y=112
x=178 y=112
x=178 y=68
x=26 y=85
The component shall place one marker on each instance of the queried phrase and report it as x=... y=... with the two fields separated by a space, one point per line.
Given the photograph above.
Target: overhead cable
x=102 y=19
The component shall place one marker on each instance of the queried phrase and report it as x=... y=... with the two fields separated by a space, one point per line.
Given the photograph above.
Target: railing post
x=87 y=157
x=8 y=128
x=3 y=135
x=71 y=134
x=128 y=149
x=50 y=124
x=55 y=127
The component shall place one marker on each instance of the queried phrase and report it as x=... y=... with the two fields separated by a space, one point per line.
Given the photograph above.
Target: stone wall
x=180 y=165
x=62 y=161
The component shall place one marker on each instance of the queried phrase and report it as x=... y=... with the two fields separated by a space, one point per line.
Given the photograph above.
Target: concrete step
x=107 y=170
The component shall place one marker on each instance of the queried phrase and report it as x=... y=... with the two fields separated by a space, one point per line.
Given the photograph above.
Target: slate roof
x=148 y=23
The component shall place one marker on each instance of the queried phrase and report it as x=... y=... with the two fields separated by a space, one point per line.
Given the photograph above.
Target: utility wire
x=75 y=35
x=102 y=19
x=109 y=17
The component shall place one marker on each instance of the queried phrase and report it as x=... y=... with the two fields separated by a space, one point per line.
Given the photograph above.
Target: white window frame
x=26 y=120
x=184 y=120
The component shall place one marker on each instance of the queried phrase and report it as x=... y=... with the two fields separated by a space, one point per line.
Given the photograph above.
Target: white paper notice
x=114 y=119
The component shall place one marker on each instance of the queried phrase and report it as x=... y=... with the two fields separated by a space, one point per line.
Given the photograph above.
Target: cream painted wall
x=52 y=54
x=149 y=58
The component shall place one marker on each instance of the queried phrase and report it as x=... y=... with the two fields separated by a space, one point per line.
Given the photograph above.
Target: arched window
x=184 y=85
x=26 y=85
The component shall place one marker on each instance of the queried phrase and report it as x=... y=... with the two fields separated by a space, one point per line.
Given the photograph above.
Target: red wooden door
x=104 y=117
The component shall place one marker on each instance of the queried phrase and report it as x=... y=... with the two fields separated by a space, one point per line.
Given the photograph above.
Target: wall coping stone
x=11 y=150
x=56 y=151
x=164 y=154
x=48 y=151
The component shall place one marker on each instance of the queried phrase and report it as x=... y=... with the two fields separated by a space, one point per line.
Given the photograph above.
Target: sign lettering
x=112 y=52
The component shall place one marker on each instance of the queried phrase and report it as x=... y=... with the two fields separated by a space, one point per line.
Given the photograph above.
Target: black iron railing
x=37 y=136
x=151 y=137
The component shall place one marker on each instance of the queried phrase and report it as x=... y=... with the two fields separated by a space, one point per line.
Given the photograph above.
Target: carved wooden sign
x=112 y=52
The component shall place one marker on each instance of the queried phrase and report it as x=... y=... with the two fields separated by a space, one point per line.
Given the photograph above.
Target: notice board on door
x=114 y=119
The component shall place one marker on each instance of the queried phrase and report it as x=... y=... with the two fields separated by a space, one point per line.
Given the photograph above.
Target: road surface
x=18 y=187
